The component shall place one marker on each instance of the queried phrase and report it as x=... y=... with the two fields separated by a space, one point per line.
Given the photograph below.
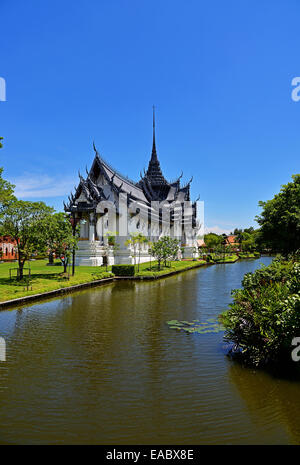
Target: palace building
x=107 y=203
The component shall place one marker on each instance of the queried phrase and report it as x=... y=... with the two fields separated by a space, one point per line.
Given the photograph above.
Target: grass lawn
x=145 y=269
x=249 y=255
x=43 y=278
x=227 y=259
x=48 y=278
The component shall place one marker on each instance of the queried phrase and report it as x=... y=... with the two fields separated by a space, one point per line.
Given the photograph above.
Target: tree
x=24 y=222
x=239 y=238
x=6 y=189
x=109 y=243
x=174 y=248
x=280 y=219
x=136 y=241
x=133 y=243
x=59 y=237
x=158 y=251
x=165 y=249
x=212 y=240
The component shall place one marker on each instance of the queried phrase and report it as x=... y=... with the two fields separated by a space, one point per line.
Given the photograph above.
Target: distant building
x=8 y=248
x=201 y=243
x=232 y=241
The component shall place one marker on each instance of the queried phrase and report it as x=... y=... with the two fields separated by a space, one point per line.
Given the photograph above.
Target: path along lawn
x=48 y=278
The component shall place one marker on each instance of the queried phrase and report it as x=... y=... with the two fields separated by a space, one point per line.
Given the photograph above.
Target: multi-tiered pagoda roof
x=152 y=186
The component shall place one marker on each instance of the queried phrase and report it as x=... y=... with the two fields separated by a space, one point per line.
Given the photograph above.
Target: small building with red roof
x=8 y=248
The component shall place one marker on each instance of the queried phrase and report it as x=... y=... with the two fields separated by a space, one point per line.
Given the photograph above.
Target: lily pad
x=211 y=325
x=174 y=323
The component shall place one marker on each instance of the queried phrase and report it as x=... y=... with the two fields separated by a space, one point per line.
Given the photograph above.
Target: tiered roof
x=152 y=186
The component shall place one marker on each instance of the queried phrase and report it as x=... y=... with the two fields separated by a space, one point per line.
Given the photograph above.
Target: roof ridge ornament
x=95 y=150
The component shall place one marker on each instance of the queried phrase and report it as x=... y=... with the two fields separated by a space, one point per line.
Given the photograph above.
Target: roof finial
x=153 y=117
x=154 y=156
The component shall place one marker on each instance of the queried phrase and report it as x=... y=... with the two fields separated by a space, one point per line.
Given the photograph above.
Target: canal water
x=103 y=367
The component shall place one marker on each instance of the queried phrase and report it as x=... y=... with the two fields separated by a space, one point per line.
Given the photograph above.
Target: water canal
x=102 y=366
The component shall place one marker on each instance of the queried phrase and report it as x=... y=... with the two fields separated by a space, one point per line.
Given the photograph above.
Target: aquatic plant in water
x=209 y=326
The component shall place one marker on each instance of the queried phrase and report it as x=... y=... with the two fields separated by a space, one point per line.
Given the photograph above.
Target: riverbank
x=49 y=281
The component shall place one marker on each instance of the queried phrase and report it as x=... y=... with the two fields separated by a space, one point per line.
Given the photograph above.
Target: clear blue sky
x=218 y=72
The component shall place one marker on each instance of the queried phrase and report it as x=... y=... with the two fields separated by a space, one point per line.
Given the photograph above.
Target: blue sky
x=218 y=72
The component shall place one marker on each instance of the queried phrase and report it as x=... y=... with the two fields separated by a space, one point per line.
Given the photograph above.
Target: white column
x=91 y=227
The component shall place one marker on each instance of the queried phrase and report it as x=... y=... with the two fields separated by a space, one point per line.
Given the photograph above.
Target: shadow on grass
x=59 y=276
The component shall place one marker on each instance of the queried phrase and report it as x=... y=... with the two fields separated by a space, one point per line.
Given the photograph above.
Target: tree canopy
x=25 y=223
x=280 y=219
x=212 y=240
x=59 y=236
x=6 y=188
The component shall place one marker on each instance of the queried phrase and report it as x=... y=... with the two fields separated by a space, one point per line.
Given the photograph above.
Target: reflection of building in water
x=96 y=204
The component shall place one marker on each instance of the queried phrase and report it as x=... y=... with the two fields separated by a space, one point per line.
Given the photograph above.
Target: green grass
x=43 y=278
x=227 y=259
x=48 y=278
x=249 y=255
x=145 y=269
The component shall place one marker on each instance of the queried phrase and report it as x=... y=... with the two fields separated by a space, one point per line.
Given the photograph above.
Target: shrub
x=102 y=275
x=123 y=270
x=265 y=315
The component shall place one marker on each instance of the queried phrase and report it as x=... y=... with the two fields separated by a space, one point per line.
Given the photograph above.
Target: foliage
x=265 y=314
x=209 y=326
x=59 y=236
x=165 y=249
x=6 y=188
x=109 y=244
x=111 y=239
x=212 y=240
x=249 y=255
x=152 y=270
x=136 y=241
x=247 y=239
x=280 y=219
x=123 y=270
x=6 y=192
x=102 y=275
x=219 y=258
x=24 y=222
x=226 y=258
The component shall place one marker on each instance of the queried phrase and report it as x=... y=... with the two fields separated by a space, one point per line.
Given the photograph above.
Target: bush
x=102 y=275
x=265 y=315
x=123 y=270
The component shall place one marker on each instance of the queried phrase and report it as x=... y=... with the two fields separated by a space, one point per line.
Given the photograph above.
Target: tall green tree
x=165 y=249
x=59 y=237
x=6 y=188
x=212 y=240
x=280 y=219
x=25 y=222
